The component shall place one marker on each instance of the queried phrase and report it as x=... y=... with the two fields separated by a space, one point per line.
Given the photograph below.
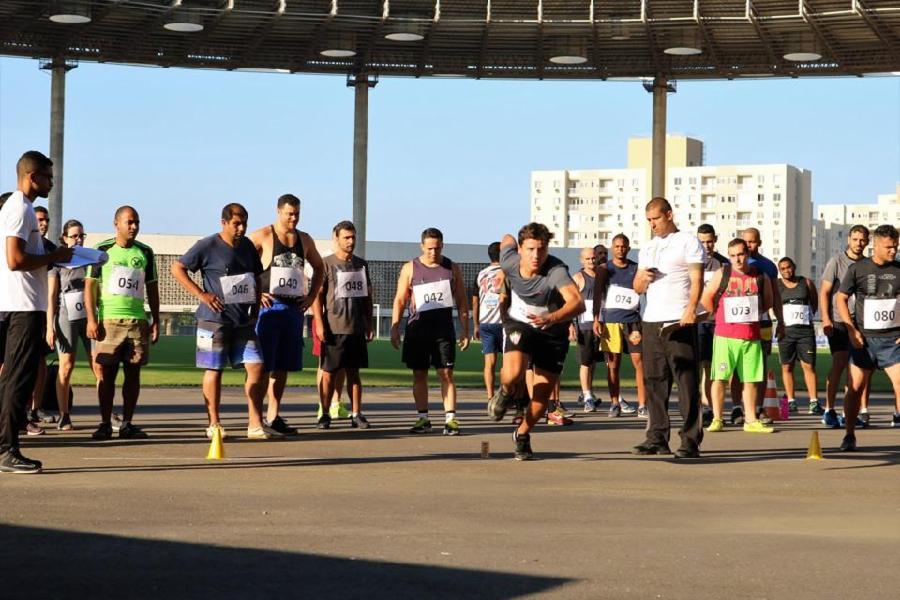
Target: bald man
x=581 y=330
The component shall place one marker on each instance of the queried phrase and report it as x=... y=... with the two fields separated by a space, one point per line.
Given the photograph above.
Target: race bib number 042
x=126 y=281
x=432 y=296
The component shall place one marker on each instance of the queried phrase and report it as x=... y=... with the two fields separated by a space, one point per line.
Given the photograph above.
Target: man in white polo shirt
x=670 y=271
x=23 y=295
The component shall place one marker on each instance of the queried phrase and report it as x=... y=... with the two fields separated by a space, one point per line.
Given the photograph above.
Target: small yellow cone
x=815 y=450
x=216 y=450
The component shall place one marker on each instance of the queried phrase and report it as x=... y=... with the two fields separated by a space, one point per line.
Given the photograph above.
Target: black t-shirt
x=877 y=286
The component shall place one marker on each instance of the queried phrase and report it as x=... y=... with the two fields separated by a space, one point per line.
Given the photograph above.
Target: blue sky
x=179 y=144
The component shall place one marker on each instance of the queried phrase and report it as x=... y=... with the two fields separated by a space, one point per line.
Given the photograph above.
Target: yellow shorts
x=614 y=338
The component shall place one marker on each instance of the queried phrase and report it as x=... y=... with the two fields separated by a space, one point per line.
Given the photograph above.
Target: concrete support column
x=361 y=85
x=658 y=169
x=58 y=69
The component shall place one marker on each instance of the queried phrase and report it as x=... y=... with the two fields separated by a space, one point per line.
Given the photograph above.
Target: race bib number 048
x=126 y=281
x=742 y=309
x=287 y=281
x=881 y=313
x=351 y=284
x=239 y=289
x=432 y=296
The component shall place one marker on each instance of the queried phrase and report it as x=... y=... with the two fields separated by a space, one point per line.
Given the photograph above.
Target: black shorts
x=547 y=350
x=799 y=343
x=424 y=348
x=839 y=340
x=344 y=352
x=705 y=333
x=588 y=348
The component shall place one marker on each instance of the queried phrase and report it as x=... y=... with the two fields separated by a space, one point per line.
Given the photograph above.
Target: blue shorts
x=876 y=353
x=280 y=332
x=222 y=344
x=491 y=338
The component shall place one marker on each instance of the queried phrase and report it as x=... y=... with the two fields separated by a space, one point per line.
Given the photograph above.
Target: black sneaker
x=45 y=417
x=649 y=449
x=14 y=462
x=32 y=428
x=359 y=422
x=497 y=405
x=687 y=453
x=324 y=422
x=707 y=417
x=523 y=446
x=130 y=431
x=849 y=443
x=737 y=415
x=65 y=423
x=104 y=432
x=280 y=425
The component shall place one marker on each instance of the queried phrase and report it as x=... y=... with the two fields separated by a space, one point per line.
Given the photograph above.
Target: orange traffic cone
x=771 y=406
x=216 y=449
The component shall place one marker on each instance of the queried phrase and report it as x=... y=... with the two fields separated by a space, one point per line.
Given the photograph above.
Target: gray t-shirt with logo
x=347 y=300
x=835 y=270
x=70 y=280
x=541 y=290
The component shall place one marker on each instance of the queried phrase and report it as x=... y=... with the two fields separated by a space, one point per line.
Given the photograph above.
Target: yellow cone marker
x=815 y=450
x=216 y=450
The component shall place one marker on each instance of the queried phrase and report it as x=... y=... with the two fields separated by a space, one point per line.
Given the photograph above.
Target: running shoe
x=324 y=422
x=14 y=462
x=590 y=405
x=104 y=432
x=643 y=413
x=339 y=411
x=451 y=427
x=280 y=425
x=758 y=427
x=848 y=444
x=562 y=408
x=359 y=422
x=626 y=408
x=737 y=415
x=496 y=407
x=130 y=431
x=615 y=410
x=830 y=419
x=863 y=420
x=520 y=415
x=715 y=426
x=116 y=422
x=211 y=430
x=32 y=428
x=792 y=406
x=763 y=417
x=45 y=417
x=523 y=446
x=422 y=425
x=558 y=418
x=687 y=453
x=65 y=423
x=815 y=408
x=707 y=417
x=895 y=420
x=581 y=398
x=649 y=449
x=263 y=432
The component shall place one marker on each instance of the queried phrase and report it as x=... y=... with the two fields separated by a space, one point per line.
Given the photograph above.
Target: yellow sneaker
x=716 y=426
x=337 y=410
x=757 y=427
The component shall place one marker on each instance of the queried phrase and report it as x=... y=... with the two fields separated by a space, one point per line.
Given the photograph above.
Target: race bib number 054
x=431 y=296
x=126 y=281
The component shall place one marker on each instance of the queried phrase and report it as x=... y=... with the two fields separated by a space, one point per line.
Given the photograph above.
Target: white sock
x=587 y=393
x=863 y=411
x=811 y=400
x=790 y=399
x=354 y=414
x=449 y=416
x=423 y=414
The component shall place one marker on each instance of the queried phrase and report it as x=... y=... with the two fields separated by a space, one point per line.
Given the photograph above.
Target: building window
x=678 y=181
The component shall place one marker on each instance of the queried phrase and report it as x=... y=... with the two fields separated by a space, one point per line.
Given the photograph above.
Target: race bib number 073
x=742 y=309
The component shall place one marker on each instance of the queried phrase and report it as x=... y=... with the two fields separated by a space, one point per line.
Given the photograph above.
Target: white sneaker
x=116 y=422
x=263 y=433
x=627 y=409
x=590 y=404
x=210 y=431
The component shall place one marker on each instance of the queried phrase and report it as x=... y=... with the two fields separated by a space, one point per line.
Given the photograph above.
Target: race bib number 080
x=432 y=296
x=238 y=289
x=352 y=284
x=287 y=281
x=881 y=313
x=126 y=281
x=742 y=309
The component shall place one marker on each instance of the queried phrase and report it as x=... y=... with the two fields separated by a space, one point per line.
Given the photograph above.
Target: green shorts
x=743 y=357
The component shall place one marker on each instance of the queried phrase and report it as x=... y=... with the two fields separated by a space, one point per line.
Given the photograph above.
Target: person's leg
x=787 y=375
x=106 y=389
x=212 y=392
x=64 y=382
x=131 y=390
x=255 y=390
x=707 y=383
x=809 y=377
x=856 y=379
x=328 y=389
x=681 y=350
x=21 y=359
x=490 y=365
x=354 y=387
x=37 y=398
x=637 y=360
x=277 y=383
x=717 y=389
x=448 y=389
x=544 y=382
x=420 y=389
x=657 y=381
x=893 y=373
x=339 y=379
x=839 y=362
x=737 y=391
x=613 y=367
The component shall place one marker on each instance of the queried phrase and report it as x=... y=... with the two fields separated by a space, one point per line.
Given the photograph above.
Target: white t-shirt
x=21 y=291
x=668 y=294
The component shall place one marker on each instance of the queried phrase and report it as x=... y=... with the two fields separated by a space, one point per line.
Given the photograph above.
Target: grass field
x=172 y=364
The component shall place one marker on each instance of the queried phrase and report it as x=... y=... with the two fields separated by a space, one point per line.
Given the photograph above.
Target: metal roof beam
x=861 y=9
x=707 y=37
x=774 y=61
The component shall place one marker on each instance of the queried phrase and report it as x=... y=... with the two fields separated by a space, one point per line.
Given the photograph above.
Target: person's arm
x=462 y=306
x=19 y=260
x=91 y=295
x=403 y=283
x=768 y=295
x=153 y=301
x=842 y=307
x=508 y=241
x=475 y=317
x=573 y=306
x=370 y=308
x=52 y=299
x=180 y=273
x=644 y=277
x=825 y=289
x=709 y=292
x=318 y=267
x=578 y=278
x=777 y=308
x=695 y=273
x=813 y=297
x=318 y=310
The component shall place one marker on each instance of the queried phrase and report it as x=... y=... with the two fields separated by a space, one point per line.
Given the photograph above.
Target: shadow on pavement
x=87 y=565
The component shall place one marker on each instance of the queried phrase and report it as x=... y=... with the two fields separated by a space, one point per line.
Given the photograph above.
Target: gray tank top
x=587 y=294
x=433 y=286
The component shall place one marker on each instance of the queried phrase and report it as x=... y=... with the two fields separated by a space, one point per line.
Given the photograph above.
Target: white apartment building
x=834 y=221
x=589 y=207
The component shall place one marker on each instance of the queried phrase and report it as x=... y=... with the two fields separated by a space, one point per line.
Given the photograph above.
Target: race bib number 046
x=287 y=281
x=239 y=289
x=431 y=296
x=881 y=313
x=352 y=284
x=742 y=309
x=126 y=281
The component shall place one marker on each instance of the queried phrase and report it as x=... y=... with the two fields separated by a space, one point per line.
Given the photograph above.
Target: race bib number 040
x=126 y=281
x=239 y=289
x=287 y=281
x=352 y=284
x=742 y=309
x=881 y=313
x=432 y=296
x=75 y=305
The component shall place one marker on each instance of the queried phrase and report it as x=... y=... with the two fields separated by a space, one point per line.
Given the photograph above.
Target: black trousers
x=25 y=348
x=672 y=358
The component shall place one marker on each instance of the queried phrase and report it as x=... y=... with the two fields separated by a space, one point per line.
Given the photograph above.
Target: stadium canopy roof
x=526 y=39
